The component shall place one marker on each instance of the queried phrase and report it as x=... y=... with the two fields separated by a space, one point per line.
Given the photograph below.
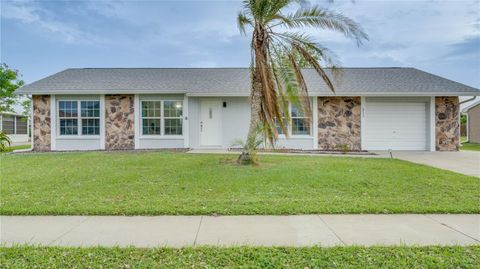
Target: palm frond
x=242 y=21
x=308 y=57
x=300 y=43
x=325 y=19
x=282 y=108
x=302 y=90
x=307 y=41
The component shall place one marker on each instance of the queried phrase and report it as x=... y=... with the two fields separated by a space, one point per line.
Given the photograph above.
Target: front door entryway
x=211 y=122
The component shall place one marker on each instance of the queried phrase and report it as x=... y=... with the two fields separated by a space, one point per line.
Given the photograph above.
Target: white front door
x=211 y=122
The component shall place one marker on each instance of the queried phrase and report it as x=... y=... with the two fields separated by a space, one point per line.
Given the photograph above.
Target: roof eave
x=82 y=92
x=223 y=94
x=383 y=94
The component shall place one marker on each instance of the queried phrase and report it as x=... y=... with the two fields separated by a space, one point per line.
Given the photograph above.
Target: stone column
x=339 y=123
x=41 y=122
x=447 y=123
x=119 y=122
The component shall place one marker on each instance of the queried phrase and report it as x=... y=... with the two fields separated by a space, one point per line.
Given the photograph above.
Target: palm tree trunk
x=255 y=110
x=260 y=51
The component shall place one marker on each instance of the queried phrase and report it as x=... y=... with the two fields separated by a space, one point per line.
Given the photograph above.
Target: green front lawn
x=12 y=148
x=157 y=183
x=464 y=145
x=470 y=146
x=245 y=257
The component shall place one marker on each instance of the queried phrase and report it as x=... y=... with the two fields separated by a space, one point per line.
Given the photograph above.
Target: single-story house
x=151 y=108
x=15 y=126
x=473 y=122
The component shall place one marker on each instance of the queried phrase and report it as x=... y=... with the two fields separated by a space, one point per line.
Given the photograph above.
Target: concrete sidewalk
x=301 y=230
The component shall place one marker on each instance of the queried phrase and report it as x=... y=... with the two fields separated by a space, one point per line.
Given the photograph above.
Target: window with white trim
x=164 y=117
x=8 y=124
x=21 y=125
x=299 y=123
x=79 y=117
x=151 y=117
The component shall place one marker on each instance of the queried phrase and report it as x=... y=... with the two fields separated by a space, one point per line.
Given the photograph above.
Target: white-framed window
x=162 y=117
x=8 y=124
x=299 y=124
x=151 y=117
x=79 y=117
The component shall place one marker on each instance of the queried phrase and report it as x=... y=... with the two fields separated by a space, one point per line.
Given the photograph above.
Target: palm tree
x=275 y=72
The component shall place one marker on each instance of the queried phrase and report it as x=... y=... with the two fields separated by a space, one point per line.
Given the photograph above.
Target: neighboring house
x=15 y=126
x=149 y=108
x=473 y=122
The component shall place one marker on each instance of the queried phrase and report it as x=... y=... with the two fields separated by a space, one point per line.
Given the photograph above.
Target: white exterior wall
x=19 y=138
x=65 y=143
x=235 y=123
x=194 y=122
x=295 y=143
x=235 y=120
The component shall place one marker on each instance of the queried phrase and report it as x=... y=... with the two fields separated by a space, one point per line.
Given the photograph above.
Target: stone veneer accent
x=339 y=123
x=447 y=125
x=119 y=121
x=41 y=122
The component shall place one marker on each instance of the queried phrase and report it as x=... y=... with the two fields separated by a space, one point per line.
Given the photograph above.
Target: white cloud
x=423 y=34
x=34 y=16
x=407 y=32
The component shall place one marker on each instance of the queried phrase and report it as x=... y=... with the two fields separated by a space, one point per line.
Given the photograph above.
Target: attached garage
x=396 y=123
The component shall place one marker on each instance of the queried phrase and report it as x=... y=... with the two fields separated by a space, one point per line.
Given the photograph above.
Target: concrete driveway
x=464 y=162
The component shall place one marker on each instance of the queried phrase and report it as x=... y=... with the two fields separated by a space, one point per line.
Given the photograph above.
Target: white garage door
x=395 y=125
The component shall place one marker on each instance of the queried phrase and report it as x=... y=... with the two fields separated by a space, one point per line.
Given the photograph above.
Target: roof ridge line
x=379 y=67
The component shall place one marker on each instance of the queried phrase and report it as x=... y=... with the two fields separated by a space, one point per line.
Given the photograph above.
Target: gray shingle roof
x=236 y=82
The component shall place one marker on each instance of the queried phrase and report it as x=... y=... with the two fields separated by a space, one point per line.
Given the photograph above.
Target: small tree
x=9 y=82
x=27 y=106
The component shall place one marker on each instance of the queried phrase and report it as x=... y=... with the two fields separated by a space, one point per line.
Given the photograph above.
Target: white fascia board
x=390 y=94
x=83 y=92
x=220 y=94
x=316 y=94
x=242 y=94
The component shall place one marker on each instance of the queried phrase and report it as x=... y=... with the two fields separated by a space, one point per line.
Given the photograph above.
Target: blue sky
x=43 y=37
